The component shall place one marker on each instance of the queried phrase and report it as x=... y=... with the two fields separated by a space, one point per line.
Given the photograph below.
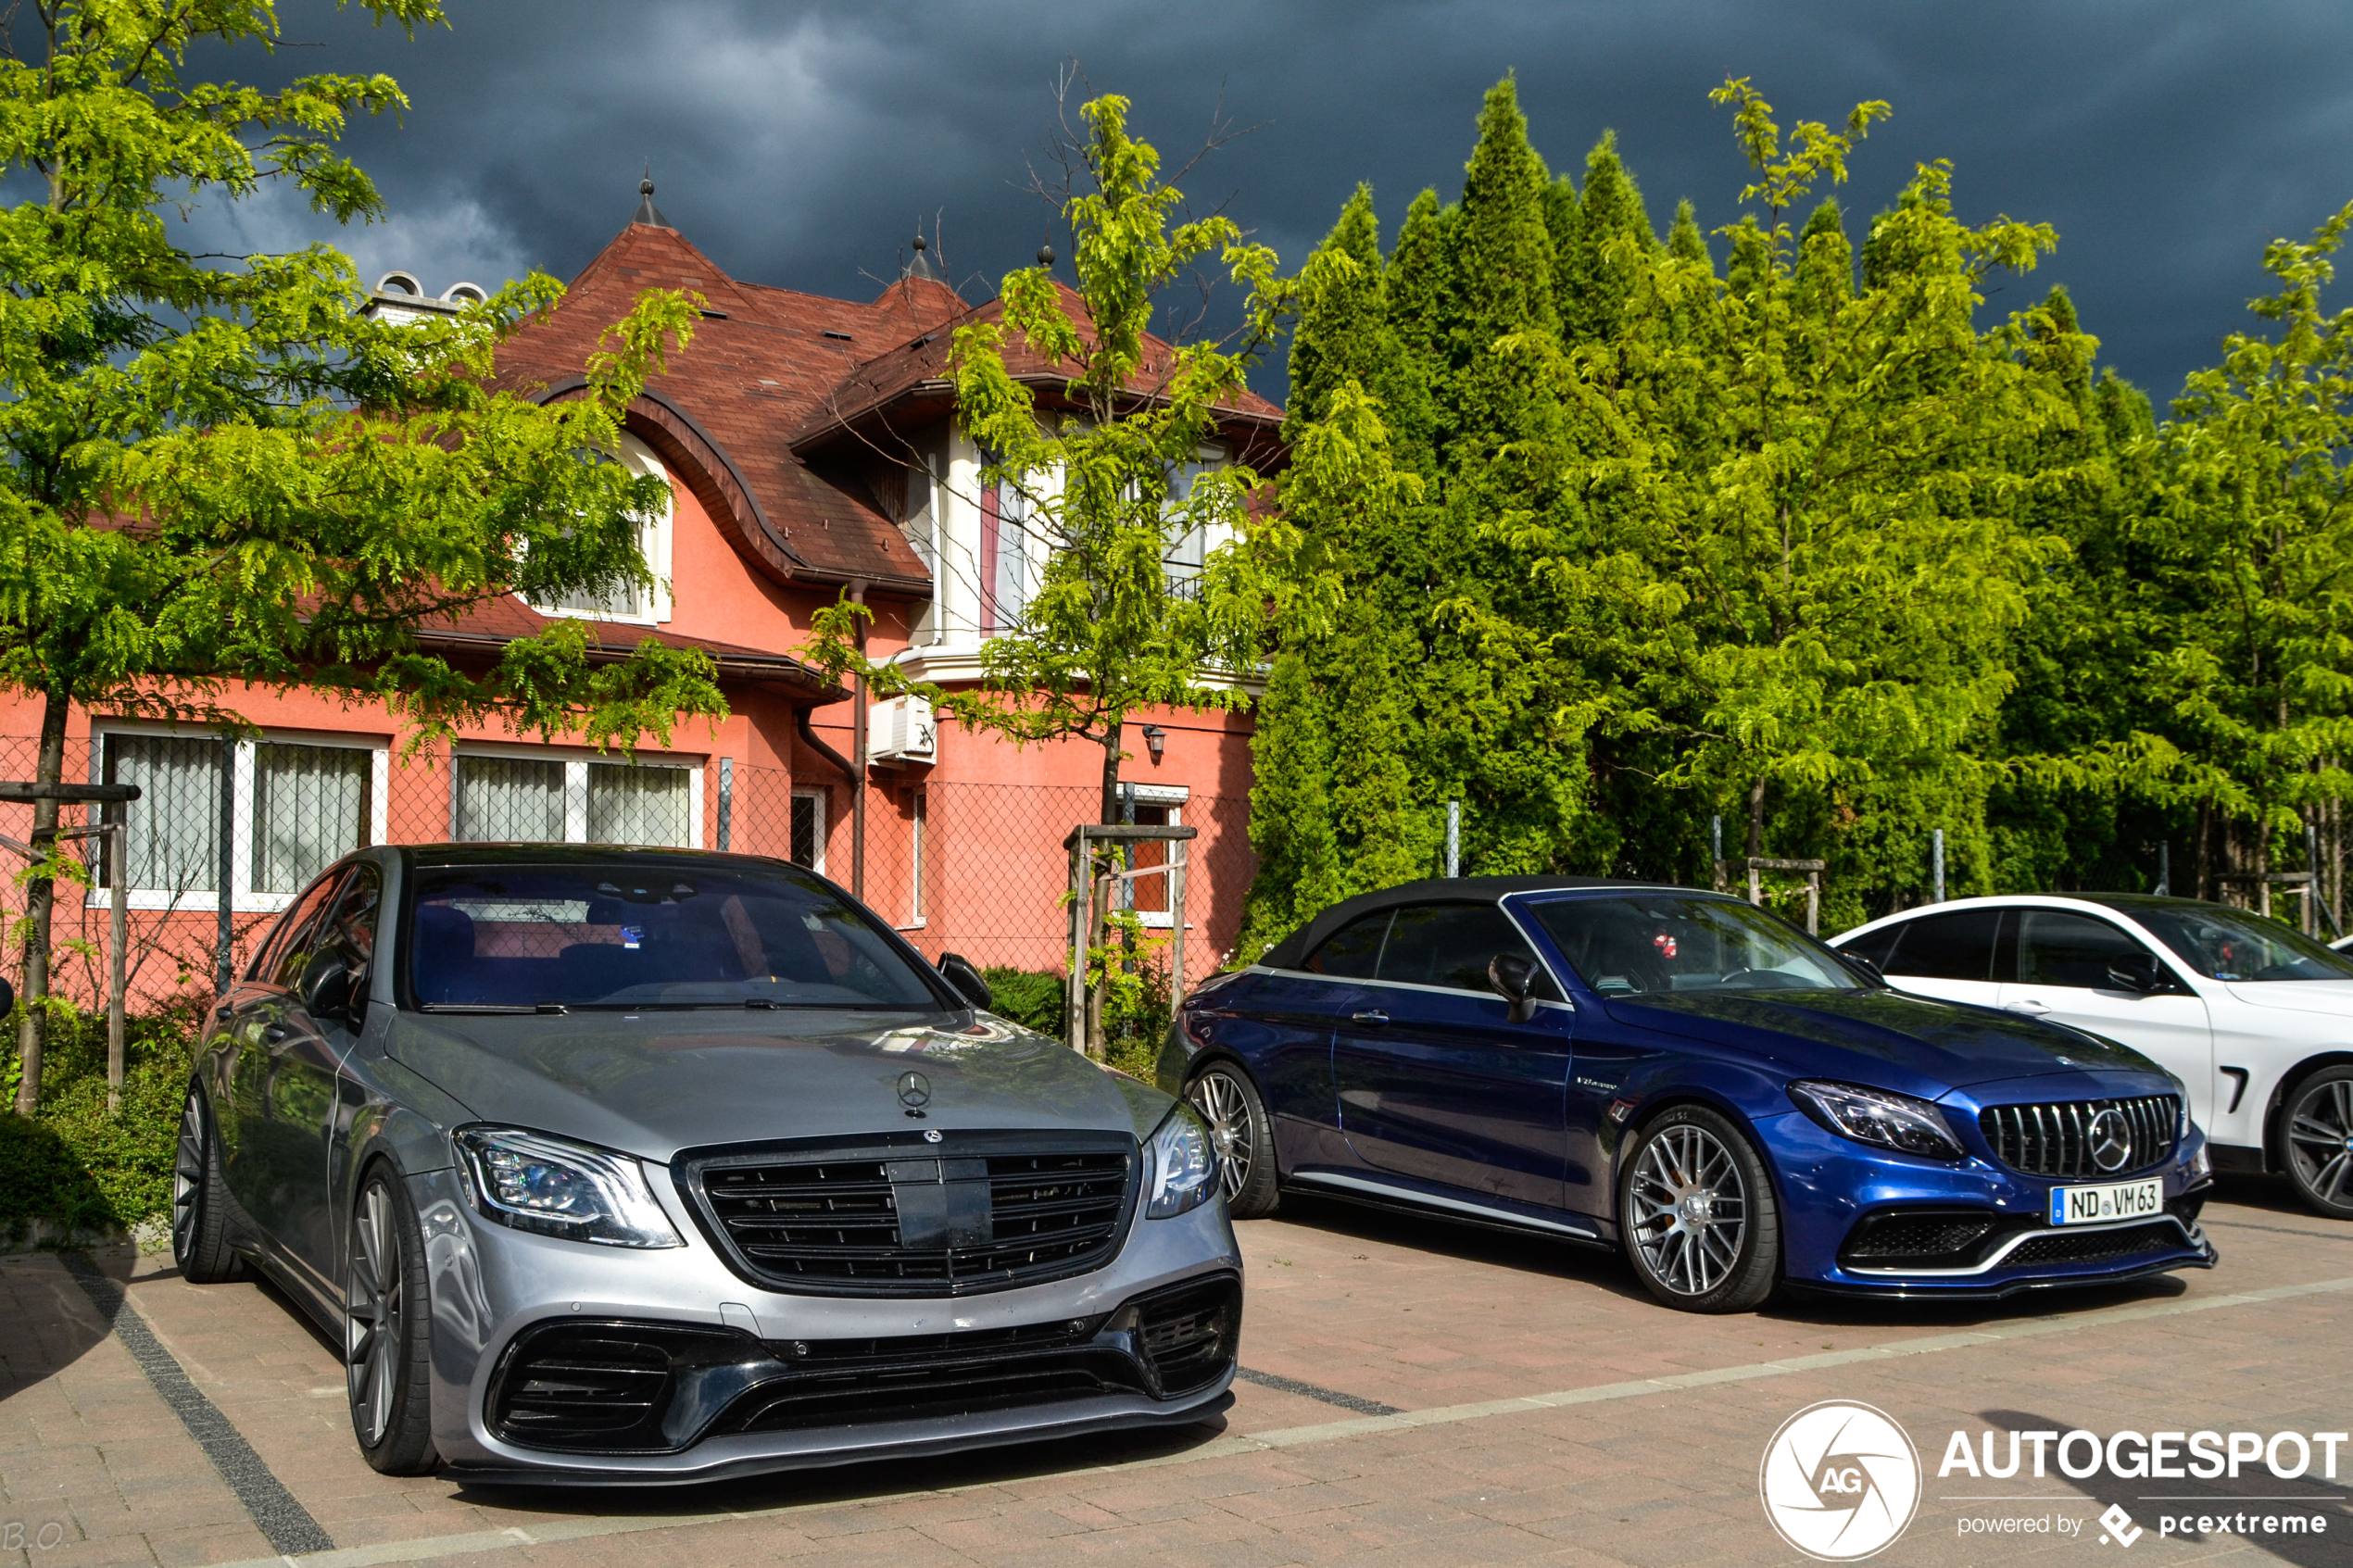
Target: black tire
x=1703 y=1229
x=200 y=1200
x=1243 y=1136
x=2315 y=1141
x=387 y=1330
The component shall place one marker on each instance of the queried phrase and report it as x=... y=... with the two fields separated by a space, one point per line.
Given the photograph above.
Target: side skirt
x=1429 y=1206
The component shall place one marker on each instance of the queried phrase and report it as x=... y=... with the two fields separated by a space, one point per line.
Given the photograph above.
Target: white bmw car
x=2254 y=1018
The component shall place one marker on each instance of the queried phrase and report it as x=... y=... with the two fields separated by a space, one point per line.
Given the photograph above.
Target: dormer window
x=630 y=602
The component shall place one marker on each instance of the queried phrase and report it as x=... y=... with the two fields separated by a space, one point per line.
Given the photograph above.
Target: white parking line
x=553 y=1531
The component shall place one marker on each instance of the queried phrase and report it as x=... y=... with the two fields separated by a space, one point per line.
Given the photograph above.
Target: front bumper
x=1833 y=1187
x=760 y=1380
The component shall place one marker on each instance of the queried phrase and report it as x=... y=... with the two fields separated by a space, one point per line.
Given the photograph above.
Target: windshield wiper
x=520 y=1008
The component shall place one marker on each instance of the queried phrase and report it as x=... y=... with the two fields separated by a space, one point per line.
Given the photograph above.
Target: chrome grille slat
x=2054 y=1138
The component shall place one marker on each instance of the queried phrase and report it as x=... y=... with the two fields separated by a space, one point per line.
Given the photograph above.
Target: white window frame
x=243 y=898
x=816 y=795
x=653 y=543
x=918 y=846
x=576 y=765
x=1173 y=797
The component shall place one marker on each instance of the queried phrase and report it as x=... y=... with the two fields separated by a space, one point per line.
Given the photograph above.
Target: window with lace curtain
x=505 y=797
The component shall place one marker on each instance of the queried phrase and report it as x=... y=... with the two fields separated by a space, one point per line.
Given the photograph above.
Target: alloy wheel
x=2320 y=1139
x=372 y=1337
x=187 y=1178
x=1690 y=1209
x=1219 y=1100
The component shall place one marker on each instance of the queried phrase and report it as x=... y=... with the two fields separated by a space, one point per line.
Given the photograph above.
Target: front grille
x=603 y=1386
x=2058 y=1140
x=1917 y=1238
x=2096 y=1246
x=972 y=1213
x=844 y=1382
x=1189 y=1334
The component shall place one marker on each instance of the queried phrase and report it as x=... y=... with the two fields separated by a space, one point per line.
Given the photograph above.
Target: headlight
x=1878 y=1116
x=535 y=1182
x=1182 y=1173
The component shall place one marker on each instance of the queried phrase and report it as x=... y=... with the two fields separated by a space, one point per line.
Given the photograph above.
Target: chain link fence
x=976 y=869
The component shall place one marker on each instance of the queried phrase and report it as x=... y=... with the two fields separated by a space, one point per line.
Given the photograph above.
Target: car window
x=289 y=948
x=1875 y=947
x=629 y=936
x=2226 y=944
x=1636 y=943
x=1353 y=951
x=2060 y=948
x=350 y=931
x=1452 y=945
x=1959 y=945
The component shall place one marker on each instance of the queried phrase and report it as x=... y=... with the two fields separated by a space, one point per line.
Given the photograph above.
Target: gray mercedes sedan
x=630 y=1165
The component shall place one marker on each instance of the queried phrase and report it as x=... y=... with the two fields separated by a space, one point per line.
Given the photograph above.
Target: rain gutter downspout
x=858 y=755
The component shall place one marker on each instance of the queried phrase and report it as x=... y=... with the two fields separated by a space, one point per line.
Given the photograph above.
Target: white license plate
x=2105 y=1205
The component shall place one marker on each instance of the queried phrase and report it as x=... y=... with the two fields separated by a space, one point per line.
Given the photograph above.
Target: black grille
x=972 y=1213
x=605 y=1386
x=1189 y=1334
x=2059 y=1139
x=1917 y=1238
x=2096 y=1246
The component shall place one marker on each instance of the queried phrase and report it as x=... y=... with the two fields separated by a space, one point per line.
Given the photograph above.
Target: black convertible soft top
x=1292 y=950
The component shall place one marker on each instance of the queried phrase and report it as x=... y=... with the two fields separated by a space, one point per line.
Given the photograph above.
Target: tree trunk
x=1757 y=816
x=1111 y=772
x=2198 y=849
x=33 y=1025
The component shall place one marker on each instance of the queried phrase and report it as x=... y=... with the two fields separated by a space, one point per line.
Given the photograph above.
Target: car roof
x=2127 y=904
x=474 y=854
x=1292 y=950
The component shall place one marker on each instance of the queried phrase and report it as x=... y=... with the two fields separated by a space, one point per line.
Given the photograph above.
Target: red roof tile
x=742 y=409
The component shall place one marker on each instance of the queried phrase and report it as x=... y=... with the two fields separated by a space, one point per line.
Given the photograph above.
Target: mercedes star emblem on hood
x=914 y=1090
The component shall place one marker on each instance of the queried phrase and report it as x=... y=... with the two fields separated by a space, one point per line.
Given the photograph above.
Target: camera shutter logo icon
x=1840 y=1481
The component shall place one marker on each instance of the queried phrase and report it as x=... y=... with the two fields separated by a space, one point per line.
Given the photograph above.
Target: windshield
x=1650 y=942
x=2225 y=944
x=633 y=935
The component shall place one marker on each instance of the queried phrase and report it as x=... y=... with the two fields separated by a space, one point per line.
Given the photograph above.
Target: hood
x=2331 y=999
x=652 y=1084
x=1884 y=1039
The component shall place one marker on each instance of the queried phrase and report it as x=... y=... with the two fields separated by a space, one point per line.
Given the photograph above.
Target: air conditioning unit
x=901 y=730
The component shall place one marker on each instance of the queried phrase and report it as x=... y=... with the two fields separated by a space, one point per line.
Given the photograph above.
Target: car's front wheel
x=1703 y=1230
x=387 y=1321
x=2317 y=1139
x=1243 y=1136
x=199 y=1199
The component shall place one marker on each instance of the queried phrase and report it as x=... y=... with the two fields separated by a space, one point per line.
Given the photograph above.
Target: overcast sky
x=801 y=143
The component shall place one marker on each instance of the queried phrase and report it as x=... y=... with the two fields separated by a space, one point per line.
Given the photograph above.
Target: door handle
x=2028 y=1006
x=1376 y=1016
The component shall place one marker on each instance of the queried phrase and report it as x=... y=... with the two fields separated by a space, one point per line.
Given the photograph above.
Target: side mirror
x=1514 y=977
x=2138 y=972
x=7 y=998
x=327 y=986
x=960 y=974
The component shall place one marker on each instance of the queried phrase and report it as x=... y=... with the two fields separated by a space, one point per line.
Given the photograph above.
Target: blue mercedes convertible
x=1690 y=1078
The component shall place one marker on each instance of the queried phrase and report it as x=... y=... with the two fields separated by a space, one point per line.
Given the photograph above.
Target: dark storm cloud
x=801 y=143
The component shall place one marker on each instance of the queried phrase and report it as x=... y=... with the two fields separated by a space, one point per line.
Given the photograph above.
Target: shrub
x=1031 y=998
x=77 y=1164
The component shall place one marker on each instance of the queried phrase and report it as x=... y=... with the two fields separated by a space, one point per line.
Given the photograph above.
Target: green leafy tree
x=214 y=473
x=1792 y=550
x=2255 y=528
x=1109 y=469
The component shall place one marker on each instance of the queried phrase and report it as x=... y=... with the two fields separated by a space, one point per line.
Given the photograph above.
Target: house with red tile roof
x=811 y=450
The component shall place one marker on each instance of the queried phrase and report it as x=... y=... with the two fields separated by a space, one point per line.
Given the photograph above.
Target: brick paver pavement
x=1640 y=1445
